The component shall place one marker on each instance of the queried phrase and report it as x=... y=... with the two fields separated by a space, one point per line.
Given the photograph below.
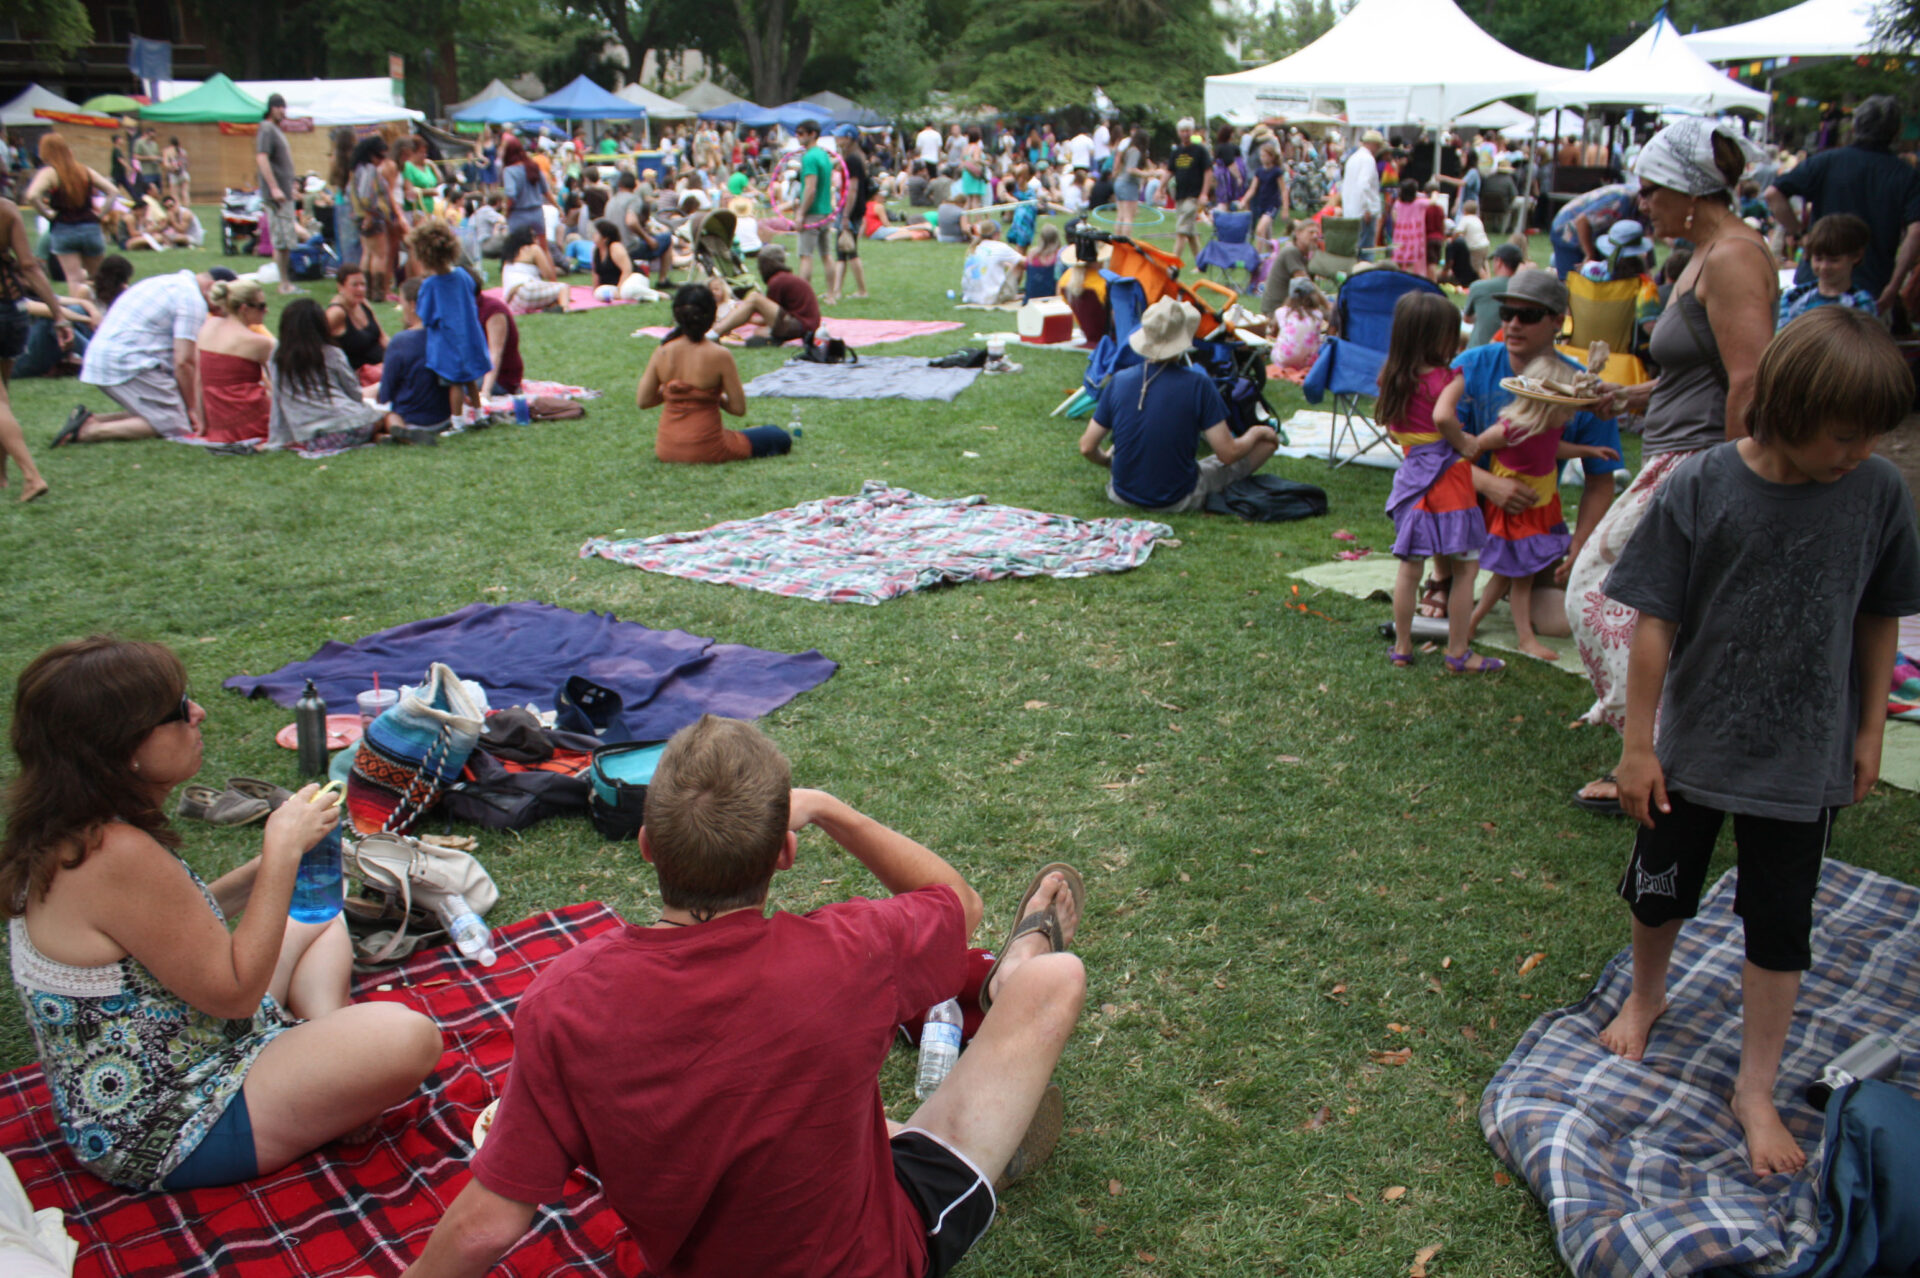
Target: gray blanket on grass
x=881 y=377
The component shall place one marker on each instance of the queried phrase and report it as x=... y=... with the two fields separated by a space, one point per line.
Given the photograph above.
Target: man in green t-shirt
x=816 y=206
x=609 y=146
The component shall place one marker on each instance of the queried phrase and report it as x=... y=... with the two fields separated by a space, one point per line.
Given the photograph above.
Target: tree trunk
x=446 y=70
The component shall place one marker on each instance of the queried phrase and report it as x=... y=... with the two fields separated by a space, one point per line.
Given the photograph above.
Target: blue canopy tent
x=794 y=113
x=500 y=111
x=585 y=100
x=751 y=114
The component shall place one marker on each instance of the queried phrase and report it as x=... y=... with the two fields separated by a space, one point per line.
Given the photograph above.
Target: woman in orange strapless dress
x=234 y=406
x=695 y=378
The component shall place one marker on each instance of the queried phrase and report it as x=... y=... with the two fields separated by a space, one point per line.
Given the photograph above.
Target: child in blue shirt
x=449 y=310
x=1770 y=574
x=1835 y=246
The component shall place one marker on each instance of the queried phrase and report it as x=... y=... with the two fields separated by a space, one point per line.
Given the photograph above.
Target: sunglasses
x=181 y=713
x=1525 y=314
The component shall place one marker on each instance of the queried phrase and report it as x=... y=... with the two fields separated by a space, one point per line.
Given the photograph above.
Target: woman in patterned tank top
x=175 y=1051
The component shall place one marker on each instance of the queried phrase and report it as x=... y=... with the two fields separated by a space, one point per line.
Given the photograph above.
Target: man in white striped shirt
x=146 y=357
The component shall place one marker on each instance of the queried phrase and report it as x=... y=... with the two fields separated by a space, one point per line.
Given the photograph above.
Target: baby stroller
x=1138 y=275
x=715 y=254
x=240 y=222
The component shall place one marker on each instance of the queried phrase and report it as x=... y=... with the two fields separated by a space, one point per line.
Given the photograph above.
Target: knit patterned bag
x=411 y=753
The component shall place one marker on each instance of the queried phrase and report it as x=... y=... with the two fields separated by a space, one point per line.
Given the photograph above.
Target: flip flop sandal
x=1434 y=592
x=1488 y=665
x=1043 y=1133
x=1401 y=659
x=1601 y=807
x=70 y=433
x=220 y=807
x=1039 y=921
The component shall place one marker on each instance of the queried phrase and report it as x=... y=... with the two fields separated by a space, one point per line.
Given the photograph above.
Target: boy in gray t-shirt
x=1770 y=574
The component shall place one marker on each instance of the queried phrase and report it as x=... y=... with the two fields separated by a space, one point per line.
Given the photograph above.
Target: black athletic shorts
x=14 y=323
x=1779 y=873
x=953 y=1198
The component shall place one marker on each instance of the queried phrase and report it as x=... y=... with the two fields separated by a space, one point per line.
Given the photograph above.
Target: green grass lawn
x=1296 y=855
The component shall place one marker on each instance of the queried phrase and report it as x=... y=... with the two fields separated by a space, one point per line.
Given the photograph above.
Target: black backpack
x=831 y=351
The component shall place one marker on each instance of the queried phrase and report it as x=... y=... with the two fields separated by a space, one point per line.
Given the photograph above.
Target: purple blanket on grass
x=523 y=652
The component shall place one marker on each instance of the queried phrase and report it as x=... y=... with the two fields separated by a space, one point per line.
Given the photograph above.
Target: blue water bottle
x=317 y=889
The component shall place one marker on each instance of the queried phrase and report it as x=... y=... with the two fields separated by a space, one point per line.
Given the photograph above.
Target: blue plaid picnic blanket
x=1641 y=1165
x=884 y=542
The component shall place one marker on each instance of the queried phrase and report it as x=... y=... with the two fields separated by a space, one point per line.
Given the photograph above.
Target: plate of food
x=483 y=1123
x=1570 y=393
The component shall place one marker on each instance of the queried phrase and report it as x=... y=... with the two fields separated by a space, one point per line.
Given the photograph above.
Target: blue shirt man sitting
x=1158 y=412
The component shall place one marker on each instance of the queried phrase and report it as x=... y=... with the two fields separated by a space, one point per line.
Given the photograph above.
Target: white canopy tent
x=1393 y=62
x=325 y=102
x=1815 y=29
x=1495 y=115
x=706 y=96
x=19 y=113
x=496 y=88
x=1656 y=70
x=1570 y=124
x=656 y=107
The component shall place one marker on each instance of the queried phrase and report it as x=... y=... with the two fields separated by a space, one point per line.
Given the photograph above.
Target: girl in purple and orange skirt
x=1432 y=503
x=1526 y=445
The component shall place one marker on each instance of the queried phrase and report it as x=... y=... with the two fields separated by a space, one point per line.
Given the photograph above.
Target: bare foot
x=1771 y=1148
x=861 y=296
x=1626 y=1035
x=1604 y=788
x=35 y=488
x=1051 y=892
x=1534 y=648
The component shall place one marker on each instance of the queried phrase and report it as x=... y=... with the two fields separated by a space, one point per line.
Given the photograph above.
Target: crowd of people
x=1758 y=497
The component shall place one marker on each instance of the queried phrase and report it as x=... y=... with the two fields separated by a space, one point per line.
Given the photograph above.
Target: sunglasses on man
x=1525 y=314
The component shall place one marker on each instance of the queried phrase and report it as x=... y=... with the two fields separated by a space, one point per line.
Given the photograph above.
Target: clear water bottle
x=310 y=732
x=793 y=420
x=939 y=1047
x=317 y=886
x=468 y=930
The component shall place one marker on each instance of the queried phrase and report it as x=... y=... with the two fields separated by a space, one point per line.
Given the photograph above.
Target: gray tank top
x=1688 y=411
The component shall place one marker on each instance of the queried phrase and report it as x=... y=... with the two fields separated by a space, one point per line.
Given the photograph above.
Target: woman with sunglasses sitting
x=178 y=1054
x=234 y=407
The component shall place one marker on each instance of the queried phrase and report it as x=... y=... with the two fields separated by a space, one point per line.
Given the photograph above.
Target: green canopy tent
x=113 y=104
x=218 y=100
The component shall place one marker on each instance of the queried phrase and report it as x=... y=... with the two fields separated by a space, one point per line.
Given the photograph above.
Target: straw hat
x=1166 y=330
x=740 y=206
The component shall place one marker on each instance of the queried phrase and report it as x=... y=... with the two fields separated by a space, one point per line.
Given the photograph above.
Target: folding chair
x=1339 y=252
x=1231 y=246
x=1604 y=313
x=1349 y=365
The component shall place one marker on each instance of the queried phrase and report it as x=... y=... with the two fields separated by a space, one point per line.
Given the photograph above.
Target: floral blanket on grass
x=884 y=542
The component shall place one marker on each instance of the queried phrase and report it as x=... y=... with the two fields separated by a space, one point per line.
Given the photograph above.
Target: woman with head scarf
x=1707 y=343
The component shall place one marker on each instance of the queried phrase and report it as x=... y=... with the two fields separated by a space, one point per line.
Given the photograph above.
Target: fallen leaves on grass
x=1501 y=1179
x=1035 y=705
x=1399 y=1056
x=1115 y=1188
x=1531 y=961
x=1393 y=1193
x=1420 y=1259
x=1317 y=1119
x=1344 y=535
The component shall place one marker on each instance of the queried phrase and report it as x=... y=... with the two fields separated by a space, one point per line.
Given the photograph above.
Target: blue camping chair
x=1231 y=245
x=1126 y=303
x=1349 y=365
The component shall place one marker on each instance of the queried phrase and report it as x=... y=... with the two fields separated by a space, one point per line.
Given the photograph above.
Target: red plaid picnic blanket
x=346 y=1209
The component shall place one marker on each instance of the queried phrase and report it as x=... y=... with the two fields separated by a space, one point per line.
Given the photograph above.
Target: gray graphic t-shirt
x=1762 y=699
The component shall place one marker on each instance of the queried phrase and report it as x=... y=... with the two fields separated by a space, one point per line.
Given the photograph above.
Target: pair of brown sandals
x=244 y=801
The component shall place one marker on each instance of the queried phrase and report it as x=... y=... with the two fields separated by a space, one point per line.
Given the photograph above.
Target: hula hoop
x=1108 y=215
x=846 y=194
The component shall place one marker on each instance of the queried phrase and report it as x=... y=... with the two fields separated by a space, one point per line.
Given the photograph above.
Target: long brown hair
x=80 y=710
x=75 y=182
x=1426 y=333
x=514 y=151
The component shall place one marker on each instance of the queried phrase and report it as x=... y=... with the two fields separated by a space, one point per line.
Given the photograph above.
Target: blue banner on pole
x=150 y=59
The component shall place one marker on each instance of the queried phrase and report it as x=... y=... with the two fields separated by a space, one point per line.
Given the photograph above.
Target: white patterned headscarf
x=1680 y=157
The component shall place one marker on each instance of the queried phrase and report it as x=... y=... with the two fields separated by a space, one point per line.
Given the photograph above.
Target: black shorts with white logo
x=952 y=1196
x=1779 y=873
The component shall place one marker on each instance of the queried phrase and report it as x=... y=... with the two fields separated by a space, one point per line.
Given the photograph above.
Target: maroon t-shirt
x=796 y=297
x=512 y=371
x=722 y=1081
